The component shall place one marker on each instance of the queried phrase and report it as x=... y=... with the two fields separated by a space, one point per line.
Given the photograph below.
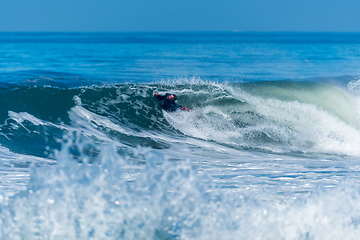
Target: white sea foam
x=278 y=123
x=167 y=200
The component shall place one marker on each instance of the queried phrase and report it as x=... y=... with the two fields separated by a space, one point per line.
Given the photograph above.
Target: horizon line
x=182 y=31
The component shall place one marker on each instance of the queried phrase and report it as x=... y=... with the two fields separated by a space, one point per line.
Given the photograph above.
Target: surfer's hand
x=156 y=94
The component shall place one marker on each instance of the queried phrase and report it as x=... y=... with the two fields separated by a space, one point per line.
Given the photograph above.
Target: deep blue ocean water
x=270 y=149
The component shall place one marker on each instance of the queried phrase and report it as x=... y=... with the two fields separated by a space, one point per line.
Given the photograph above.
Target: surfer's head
x=172 y=97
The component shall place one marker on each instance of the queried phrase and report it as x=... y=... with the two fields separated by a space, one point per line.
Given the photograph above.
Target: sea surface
x=269 y=150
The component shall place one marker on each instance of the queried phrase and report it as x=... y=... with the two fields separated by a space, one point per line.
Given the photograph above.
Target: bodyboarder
x=167 y=102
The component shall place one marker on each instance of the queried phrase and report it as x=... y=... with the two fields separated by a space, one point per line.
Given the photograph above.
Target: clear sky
x=180 y=15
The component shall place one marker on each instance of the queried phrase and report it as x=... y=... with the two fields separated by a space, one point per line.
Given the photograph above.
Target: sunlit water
x=270 y=149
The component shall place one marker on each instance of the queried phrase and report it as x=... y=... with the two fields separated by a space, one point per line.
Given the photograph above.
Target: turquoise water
x=270 y=149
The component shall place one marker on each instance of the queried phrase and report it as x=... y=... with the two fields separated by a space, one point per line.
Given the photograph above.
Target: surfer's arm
x=159 y=97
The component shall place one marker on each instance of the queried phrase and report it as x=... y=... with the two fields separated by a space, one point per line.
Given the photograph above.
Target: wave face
x=276 y=117
x=105 y=162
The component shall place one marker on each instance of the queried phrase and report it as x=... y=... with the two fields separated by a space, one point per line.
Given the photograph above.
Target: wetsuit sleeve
x=159 y=97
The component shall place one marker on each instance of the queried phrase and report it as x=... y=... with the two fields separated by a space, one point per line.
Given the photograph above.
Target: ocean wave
x=105 y=162
x=277 y=117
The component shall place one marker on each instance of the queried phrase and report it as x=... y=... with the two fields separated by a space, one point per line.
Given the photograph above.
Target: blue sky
x=180 y=15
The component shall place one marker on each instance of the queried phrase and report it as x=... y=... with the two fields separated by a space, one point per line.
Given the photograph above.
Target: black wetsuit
x=169 y=105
